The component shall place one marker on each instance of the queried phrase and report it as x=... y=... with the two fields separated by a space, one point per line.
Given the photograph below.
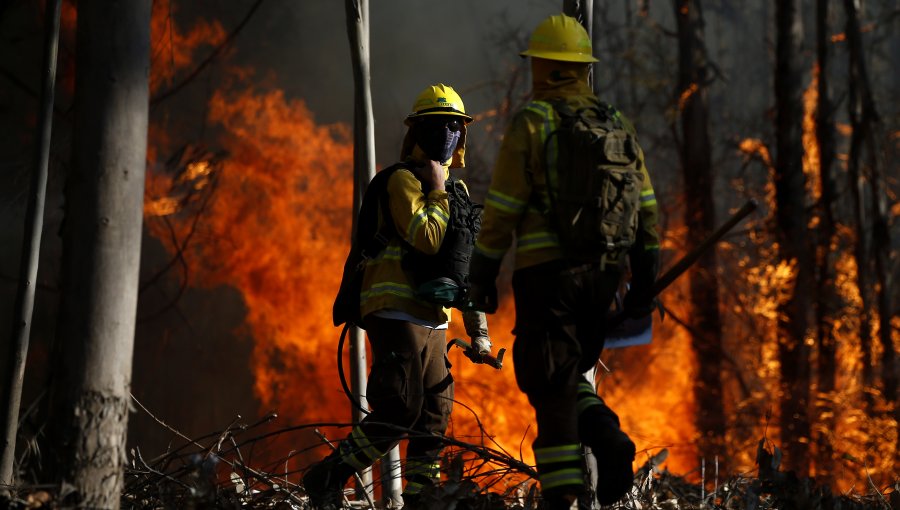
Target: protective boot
x=598 y=427
x=324 y=482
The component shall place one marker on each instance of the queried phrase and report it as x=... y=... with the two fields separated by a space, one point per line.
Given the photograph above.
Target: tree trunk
x=791 y=216
x=861 y=241
x=583 y=11
x=699 y=221
x=866 y=131
x=357 y=12
x=34 y=226
x=101 y=245
x=827 y=300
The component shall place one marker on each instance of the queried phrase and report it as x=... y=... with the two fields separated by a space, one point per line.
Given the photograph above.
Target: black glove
x=482 y=287
x=639 y=301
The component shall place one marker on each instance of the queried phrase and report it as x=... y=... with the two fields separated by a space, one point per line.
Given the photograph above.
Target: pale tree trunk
x=357 y=12
x=34 y=226
x=866 y=132
x=827 y=300
x=794 y=319
x=699 y=220
x=101 y=249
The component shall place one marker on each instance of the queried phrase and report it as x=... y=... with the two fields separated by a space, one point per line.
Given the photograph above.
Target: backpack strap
x=387 y=231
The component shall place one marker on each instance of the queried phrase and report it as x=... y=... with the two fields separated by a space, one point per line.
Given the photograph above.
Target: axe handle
x=688 y=260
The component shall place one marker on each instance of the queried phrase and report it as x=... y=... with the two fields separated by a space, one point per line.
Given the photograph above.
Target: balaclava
x=438 y=137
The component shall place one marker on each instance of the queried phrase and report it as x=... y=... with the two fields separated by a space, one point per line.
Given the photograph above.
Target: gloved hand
x=483 y=272
x=481 y=345
x=476 y=327
x=639 y=301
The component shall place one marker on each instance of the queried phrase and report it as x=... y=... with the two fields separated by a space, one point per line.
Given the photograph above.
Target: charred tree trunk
x=791 y=217
x=699 y=220
x=827 y=300
x=861 y=248
x=357 y=12
x=34 y=226
x=866 y=132
x=101 y=242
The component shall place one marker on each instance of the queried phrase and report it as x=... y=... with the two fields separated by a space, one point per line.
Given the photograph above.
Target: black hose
x=340 y=365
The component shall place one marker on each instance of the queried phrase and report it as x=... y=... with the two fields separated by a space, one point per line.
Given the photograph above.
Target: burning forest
x=771 y=380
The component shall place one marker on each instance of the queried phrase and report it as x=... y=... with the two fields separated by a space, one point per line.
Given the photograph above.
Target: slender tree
x=34 y=226
x=827 y=301
x=101 y=249
x=357 y=12
x=699 y=220
x=866 y=136
x=794 y=321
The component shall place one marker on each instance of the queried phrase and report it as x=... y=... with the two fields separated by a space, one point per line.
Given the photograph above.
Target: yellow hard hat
x=560 y=37
x=438 y=99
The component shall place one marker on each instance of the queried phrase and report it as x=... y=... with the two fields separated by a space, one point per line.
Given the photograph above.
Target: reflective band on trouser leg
x=559 y=466
x=421 y=473
x=587 y=397
x=360 y=453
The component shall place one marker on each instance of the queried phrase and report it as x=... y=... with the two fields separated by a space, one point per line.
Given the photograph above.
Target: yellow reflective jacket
x=421 y=221
x=518 y=191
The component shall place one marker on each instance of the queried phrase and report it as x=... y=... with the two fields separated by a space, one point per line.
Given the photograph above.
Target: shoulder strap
x=386 y=230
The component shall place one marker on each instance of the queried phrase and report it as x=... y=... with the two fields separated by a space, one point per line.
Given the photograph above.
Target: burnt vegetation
x=219 y=470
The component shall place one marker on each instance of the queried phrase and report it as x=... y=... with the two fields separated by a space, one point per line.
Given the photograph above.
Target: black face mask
x=438 y=137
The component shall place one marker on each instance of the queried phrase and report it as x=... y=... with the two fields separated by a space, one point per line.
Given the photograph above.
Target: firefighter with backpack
x=407 y=266
x=570 y=188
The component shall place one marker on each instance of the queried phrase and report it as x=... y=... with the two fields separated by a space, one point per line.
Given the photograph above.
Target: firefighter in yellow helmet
x=560 y=301
x=406 y=288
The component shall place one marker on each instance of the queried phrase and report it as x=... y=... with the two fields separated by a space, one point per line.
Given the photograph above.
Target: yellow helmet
x=560 y=37
x=438 y=99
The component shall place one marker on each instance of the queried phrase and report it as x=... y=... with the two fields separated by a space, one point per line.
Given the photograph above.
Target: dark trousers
x=560 y=321
x=409 y=387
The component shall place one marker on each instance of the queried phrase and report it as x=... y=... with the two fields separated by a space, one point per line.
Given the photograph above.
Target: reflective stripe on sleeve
x=419 y=220
x=505 y=202
x=545 y=110
x=536 y=241
x=648 y=198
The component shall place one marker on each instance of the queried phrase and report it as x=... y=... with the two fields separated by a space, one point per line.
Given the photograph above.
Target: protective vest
x=443 y=278
x=418 y=270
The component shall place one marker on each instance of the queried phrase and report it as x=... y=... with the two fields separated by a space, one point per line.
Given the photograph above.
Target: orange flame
x=276 y=228
x=687 y=93
x=811 y=151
